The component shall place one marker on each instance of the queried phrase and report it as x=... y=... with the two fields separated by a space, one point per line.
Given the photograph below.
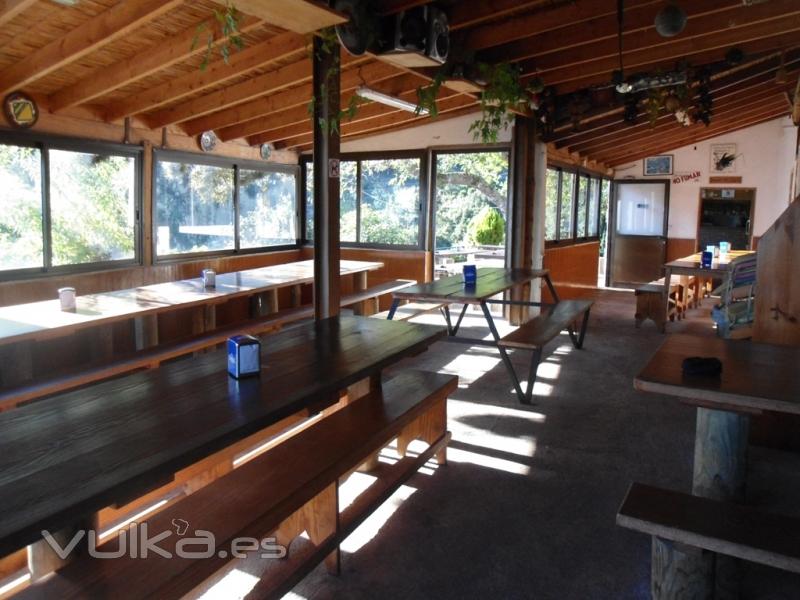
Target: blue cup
x=470 y=275
x=705 y=260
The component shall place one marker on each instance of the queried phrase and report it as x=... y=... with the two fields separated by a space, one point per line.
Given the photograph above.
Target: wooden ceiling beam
x=279 y=47
x=366 y=112
x=298 y=16
x=463 y=15
x=603 y=27
x=514 y=38
x=675 y=142
x=265 y=106
x=299 y=114
x=389 y=118
x=668 y=124
x=95 y=33
x=150 y=60
x=594 y=59
x=390 y=7
x=11 y=9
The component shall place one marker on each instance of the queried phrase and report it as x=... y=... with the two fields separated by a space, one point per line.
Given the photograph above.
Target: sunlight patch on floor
x=457 y=455
x=475 y=435
x=372 y=526
x=470 y=367
x=234 y=585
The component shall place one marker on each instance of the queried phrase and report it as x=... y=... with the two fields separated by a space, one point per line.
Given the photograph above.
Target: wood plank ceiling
x=135 y=58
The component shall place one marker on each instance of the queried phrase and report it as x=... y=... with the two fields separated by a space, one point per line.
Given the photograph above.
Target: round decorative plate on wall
x=266 y=150
x=20 y=110
x=207 y=141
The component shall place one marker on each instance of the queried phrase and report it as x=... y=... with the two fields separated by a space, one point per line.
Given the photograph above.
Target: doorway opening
x=726 y=215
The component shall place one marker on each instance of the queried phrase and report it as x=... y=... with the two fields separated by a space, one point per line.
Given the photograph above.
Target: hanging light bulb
x=670 y=20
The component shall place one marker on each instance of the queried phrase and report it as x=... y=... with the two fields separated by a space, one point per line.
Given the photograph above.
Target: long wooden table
x=39 y=320
x=67 y=457
x=692 y=266
x=491 y=282
x=755 y=377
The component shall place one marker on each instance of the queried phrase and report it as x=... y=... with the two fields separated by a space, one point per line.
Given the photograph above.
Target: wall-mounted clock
x=20 y=110
x=208 y=141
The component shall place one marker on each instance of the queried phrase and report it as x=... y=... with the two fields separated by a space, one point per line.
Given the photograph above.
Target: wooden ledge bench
x=537 y=332
x=291 y=488
x=721 y=527
x=369 y=298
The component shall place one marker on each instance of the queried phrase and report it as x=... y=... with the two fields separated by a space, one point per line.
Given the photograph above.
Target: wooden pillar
x=326 y=74
x=430 y=214
x=520 y=242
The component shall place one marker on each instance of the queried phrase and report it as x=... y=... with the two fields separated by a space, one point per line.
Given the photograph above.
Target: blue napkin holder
x=470 y=275
x=244 y=356
x=706 y=258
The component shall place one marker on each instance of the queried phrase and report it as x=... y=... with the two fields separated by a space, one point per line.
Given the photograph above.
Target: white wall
x=766 y=162
x=445 y=132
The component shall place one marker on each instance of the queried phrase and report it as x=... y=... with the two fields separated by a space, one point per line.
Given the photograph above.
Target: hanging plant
x=330 y=47
x=503 y=96
x=228 y=20
x=426 y=95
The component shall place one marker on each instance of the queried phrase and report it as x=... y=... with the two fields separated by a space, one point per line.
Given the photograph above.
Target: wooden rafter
x=162 y=55
x=99 y=31
x=10 y=9
x=264 y=53
x=298 y=16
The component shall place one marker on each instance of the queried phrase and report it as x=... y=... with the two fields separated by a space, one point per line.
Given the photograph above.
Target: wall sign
x=684 y=177
x=728 y=180
x=20 y=110
x=333 y=168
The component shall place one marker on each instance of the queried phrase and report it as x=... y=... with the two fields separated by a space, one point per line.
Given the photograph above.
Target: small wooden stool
x=650 y=303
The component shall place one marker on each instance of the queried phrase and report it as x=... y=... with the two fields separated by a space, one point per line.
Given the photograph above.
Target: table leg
x=665 y=300
x=43 y=556
x=393 y=308
x=359 y=285
x=145 y=331
x=552 y=289
x=503 y=354
x=720 y=467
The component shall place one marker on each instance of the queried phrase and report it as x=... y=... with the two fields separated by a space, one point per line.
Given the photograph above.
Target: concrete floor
x=526 y=506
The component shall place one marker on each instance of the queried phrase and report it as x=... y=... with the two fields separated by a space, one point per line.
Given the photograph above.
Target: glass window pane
x=583 y=196
x=567 y=192
x=605 y=196
x=390 y=201
x=92 y=207
x=194 y=208
x=348 y=199
x=551 y=205
x=309 y=201
x=20 y=208
x=471 y=191
x=594 y=206
x=266 y=209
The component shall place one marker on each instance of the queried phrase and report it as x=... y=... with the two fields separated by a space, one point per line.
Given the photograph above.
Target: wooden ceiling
x=135 y=58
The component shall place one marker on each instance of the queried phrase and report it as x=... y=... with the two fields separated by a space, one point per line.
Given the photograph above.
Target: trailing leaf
x=503 y=96
x=427 y=94
x=228 y=20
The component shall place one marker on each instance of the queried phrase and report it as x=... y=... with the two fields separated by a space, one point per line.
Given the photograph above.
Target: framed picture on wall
x=723 y=158
x=658 y=165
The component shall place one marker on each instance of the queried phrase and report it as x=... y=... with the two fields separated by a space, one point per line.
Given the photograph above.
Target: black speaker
x=438 y=42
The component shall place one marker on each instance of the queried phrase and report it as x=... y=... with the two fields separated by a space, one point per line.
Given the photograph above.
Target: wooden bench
x=407 y=311
x=721 y=527
x=371 y=296
x=291 y=488
x=650 y=303
x=153 y=357
x=537 y=332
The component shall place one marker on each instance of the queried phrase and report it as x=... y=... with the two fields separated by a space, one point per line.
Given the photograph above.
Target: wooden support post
x=358 y=390
x=145 y=331
x=359 y=285
x=720 y=467
x=520 y=242
x=17 y=363
x=42 y=557
x=296 y=294
x=326 y=84
x=428 y=427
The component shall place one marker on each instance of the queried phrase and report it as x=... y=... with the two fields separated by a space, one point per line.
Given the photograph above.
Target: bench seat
x=288 y=489
x=650 y=303
x=404 y=312
x=537 y=332
x=374 y=293
x=721 y=527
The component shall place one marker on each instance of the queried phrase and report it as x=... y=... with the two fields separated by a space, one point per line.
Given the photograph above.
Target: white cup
x=209 y=278
x=67 y=297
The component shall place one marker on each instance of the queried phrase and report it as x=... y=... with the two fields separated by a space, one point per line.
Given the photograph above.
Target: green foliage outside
x=488 y=227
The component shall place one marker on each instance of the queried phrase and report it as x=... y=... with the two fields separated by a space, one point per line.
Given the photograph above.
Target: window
x=379 y=201
x=207 y=205
x=575 y=205
x=67 y=203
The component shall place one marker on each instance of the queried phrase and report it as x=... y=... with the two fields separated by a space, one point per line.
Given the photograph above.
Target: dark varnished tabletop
x=75 y=453
x=491 y=281
x=754 y=376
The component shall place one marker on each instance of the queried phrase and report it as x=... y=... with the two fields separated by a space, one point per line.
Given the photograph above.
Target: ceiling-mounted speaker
x=411 y=30
x=438 y=42
x=670 y=20
x=359 y=33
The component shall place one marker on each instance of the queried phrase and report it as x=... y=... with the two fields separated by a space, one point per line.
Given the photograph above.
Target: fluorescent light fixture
x=375 y=96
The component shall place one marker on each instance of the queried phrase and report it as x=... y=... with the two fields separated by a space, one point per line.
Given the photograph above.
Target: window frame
x=235 y=164
x=358 y=158
x=46 y=142
x=579 y=175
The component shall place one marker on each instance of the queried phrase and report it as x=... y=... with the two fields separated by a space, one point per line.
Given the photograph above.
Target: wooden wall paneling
x=680 y=247
x=573 y=270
